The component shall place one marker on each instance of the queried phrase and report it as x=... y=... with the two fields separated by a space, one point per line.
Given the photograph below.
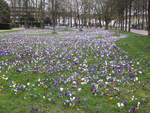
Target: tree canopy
x=4 y=12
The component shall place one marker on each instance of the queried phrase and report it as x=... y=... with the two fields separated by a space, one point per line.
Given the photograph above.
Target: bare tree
x=148 y=17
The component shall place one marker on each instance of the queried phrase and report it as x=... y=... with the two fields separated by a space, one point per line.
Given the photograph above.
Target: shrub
x=4 y=15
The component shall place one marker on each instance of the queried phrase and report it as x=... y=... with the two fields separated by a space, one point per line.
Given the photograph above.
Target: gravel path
x=142 y=32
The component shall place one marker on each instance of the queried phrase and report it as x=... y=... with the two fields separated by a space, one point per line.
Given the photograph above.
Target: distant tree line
x=117 y=14
x=4 y=15
x=148 y=18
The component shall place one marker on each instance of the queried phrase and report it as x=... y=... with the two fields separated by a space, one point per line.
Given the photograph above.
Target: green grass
x=10 y=103
x=99 y=37
x=115 y=34
x=9 y=31
x=36 y=34
x=44 y=34
x=137 y=46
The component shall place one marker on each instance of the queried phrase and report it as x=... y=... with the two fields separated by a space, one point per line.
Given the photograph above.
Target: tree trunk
x=126 y=15
x=106 y=24
x=42 y=14
x=149 y=17
x=143 y=18
x=130 y=16
x=53 y=15
x=100 y=24
x=26 y=13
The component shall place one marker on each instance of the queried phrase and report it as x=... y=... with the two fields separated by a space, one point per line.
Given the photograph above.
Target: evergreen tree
x=4 y=12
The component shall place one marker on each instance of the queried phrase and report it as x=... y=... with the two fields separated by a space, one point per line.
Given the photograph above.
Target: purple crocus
x=32 y=95
x=34 y=109
x=125 y=102
x=133 y=109
x=52 y=100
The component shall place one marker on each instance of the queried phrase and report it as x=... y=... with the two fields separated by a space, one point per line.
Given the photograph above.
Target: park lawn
x=40 y=34
x=22 y=102
x=99 y=37
x=19 y=104
x=137 y=46
x=8 y=31
x=29 y=35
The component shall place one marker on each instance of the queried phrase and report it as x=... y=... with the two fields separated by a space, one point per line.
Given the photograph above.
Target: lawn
x=51 y=75
x=99 y=37
x=9 y=31
x=37 y=33
x=137 y=46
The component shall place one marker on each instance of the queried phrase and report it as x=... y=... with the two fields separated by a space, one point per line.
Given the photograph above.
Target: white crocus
x=61 y=89
x=120 y=104
x=79 y=89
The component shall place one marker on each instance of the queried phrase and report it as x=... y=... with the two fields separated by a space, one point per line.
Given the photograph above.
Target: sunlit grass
x=99 y=37
x=9 y=31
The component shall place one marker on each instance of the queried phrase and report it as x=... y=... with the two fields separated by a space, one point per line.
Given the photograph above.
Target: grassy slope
x=138 y=48
x=9 y=31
